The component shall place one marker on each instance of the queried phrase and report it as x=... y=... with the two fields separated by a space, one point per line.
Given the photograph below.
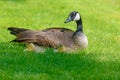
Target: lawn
x=101 y=22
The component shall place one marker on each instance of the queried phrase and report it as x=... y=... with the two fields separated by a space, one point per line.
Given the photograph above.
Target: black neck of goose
x=79 y=25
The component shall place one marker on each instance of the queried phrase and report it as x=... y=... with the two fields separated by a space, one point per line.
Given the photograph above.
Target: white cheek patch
x=77 y=17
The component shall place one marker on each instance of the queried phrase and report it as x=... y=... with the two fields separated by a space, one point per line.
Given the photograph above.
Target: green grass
x=100 y=61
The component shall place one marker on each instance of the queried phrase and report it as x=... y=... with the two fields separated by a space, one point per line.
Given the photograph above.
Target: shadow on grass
x=7 y=47
x=54 y=65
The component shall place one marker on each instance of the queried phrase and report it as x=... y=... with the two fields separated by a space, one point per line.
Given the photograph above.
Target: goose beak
x=68 y=20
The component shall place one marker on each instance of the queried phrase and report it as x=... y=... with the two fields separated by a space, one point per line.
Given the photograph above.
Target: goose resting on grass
x=60 y=39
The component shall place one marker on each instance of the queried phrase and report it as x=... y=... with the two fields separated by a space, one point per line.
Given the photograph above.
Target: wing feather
x=52 y=37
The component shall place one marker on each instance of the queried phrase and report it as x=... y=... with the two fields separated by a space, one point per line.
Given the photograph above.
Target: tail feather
x=16 y=31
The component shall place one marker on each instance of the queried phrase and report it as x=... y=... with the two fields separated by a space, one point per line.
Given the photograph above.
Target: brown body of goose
x=61 y=39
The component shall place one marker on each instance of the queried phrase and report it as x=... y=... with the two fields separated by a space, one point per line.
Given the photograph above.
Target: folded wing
x=51 y=37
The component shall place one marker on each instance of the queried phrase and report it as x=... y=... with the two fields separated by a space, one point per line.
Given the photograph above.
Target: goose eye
x=73 y=15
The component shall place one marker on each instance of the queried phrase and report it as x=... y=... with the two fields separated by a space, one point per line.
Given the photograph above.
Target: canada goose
x=60 y=39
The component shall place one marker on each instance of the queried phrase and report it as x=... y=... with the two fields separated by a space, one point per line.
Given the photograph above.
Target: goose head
x=73 y=16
